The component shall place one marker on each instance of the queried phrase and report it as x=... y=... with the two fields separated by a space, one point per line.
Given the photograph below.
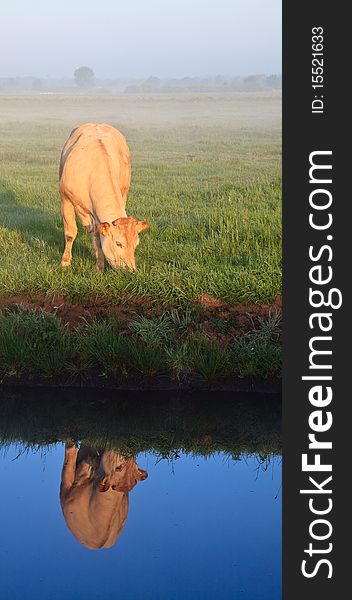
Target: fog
x=139 y=38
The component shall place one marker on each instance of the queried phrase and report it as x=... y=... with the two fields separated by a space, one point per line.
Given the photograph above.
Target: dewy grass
x=205 y=174
x=36 y=343
x=259 y=351
x=153 y=331
x=33 y=342
x=210 y=360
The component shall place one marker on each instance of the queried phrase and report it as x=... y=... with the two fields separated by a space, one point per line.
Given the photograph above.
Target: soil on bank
x=211 y=312
x=136 y=344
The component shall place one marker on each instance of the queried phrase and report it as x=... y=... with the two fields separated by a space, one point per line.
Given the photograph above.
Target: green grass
x=206 y=174
x=36 y=343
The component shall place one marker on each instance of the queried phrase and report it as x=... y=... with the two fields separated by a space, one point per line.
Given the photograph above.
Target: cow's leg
x=70 y=228
x=68 y=470
x=89 y=225
x=99 y=255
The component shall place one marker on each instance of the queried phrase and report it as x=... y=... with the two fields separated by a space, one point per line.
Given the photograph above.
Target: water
x=205 y=523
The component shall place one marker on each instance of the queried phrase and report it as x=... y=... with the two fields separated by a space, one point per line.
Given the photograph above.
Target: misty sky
x=138 y=38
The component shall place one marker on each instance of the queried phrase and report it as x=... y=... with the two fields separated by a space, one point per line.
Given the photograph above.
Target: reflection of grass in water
x=36 y=342
x=164 y=423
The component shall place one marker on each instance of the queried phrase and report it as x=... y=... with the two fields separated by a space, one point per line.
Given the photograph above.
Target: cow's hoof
x=65 y=263
x=71 y=448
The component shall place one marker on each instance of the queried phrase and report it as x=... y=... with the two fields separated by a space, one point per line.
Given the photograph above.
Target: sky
x=139 y=38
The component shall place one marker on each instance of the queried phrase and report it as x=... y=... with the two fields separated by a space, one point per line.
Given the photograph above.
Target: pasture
x=206 y=174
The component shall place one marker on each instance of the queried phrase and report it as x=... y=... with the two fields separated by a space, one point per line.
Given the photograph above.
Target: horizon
x=127 y=77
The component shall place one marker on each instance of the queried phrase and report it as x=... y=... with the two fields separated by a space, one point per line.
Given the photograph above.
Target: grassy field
x=205 y=173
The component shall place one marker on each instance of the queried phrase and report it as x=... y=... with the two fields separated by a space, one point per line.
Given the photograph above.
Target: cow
x=94 y=493
x=95 y=176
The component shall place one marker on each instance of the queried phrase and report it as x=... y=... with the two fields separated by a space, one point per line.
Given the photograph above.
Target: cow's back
x=95 y=518
x=99 y=149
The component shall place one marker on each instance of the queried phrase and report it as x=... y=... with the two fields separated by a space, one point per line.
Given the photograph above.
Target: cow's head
x=128 y=478
x=119 y=240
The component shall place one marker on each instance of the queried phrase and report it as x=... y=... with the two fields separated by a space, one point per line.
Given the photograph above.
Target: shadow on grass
x=34 y=224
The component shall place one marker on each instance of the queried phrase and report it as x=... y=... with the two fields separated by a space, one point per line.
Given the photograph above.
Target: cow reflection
x=94 y=493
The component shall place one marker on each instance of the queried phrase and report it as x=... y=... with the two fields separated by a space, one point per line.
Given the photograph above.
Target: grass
x=36 y=342
x=206 y=175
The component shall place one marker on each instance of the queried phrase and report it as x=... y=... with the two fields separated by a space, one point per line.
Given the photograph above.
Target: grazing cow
x=94 y=493
x=95 y=175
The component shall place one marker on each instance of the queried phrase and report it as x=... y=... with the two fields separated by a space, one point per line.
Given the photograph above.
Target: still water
x=197 y=515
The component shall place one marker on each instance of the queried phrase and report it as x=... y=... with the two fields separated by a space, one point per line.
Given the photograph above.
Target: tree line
x=84 y=79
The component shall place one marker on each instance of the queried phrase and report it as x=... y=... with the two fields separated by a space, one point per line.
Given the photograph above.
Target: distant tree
x=132 y=89
x=274 y=82
x=254 y=83
x=152 y=83
x=220 y=80
x=236 y=84
x=37 y=85
x=84 y=77
x=12 y=82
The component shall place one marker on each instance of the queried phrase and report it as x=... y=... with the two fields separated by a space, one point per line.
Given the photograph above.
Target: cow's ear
x=142 y=474
x=103 y=487
x=142 y=226
x=104 y=228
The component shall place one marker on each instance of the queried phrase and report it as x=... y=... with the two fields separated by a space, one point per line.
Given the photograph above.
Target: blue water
x=197 y=528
